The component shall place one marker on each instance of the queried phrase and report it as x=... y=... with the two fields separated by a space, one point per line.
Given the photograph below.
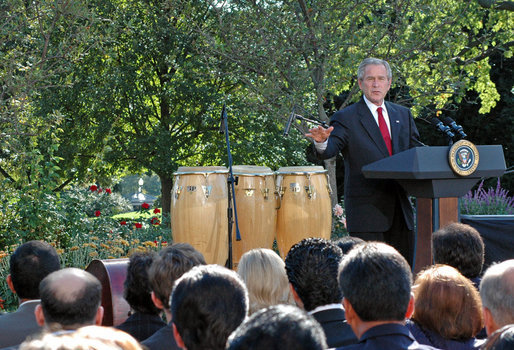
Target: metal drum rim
x=201 y=172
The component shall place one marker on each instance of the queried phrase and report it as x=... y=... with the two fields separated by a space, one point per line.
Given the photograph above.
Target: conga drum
x=305 y=209
x=199 y=202
x=111 y=273
x=256 y=209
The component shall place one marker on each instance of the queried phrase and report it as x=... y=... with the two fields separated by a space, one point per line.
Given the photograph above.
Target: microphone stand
x=231 y=189
x=313 y=121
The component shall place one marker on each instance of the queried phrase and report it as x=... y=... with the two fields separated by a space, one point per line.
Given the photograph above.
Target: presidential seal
x=463 y=157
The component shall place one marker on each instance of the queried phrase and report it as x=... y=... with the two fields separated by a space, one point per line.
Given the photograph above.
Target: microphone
x=455 y=127
x=292 y=117
x=441 y=127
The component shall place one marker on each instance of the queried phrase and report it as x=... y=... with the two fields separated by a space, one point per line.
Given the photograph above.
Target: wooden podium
x=425 y=173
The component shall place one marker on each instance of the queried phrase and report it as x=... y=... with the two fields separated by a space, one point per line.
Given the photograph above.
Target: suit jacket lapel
x=395 y=123
x=371 y=127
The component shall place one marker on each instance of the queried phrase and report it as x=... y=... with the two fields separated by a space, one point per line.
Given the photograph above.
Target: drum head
x=299 y=170
x=251 y=170
x=200 y=170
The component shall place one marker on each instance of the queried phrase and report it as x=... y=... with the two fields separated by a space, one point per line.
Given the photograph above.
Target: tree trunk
x=166 y=187
x=330 y=165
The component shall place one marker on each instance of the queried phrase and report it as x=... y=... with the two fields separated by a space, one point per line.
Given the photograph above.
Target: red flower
x=108 y=190
x=97 y=213
x=93 y=188
x=138 y=225
x=156 y=211
x=99 y=190
x=145 y=205
x=123 y=223
x=164 y=242
x=155 y=221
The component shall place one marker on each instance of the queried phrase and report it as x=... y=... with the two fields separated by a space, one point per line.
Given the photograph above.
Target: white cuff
x=321 y=146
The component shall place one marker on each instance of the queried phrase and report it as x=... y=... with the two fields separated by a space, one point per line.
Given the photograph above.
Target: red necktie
x=385 y=132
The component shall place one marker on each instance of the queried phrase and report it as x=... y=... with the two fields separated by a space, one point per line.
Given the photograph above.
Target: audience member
x=312 y=265
x=144 y=319
x=70 y=299
x=207 y=304
x=276 y=328
x=461 y=246
x=447 y=310
x=497 y=293
x=376 y=283
x=85 y=338
x=501 y=339
x=264 y=274
x=172 y=262
x=28 y=265
x=348 y=242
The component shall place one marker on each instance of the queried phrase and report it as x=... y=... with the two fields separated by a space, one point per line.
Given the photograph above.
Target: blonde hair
x=447 y=303
x=264 y=274
x=85 y=338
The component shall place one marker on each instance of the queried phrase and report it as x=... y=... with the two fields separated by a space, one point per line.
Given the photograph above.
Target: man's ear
x=156 y=301
x=348 y=310
x=40 y=317
x=410 y=307
x=9 y=283
x=99 y=315
x=296 y=298
x=489 y=323
x=178 y=338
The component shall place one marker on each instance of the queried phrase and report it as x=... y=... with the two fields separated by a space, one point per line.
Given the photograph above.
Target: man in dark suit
x=28 y=265
x=365 y=132
x=376 y=284
x=311 y=266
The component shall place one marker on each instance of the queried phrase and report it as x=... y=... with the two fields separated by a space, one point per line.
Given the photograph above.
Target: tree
x=299 y=52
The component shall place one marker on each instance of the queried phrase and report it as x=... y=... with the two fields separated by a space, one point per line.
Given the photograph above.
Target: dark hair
x=70 y=298
x=501 y=339
x=311 y=267
x=376 y=280
x=137 y=290
x=348 y=242
x=207 y=304
x=278 y=327
x=172 y=262
x=29 y=264
x=461 y=246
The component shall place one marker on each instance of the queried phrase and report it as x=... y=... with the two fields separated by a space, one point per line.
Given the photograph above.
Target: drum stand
x=231 y=189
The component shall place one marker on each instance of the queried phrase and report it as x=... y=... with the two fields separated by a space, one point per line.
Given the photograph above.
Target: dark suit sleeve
x=414 y=133
x=338 y=137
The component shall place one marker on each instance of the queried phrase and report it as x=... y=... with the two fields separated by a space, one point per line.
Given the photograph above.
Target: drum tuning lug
x=280 y=191
x=178 y=189
x=265 y=192
x=207 y=191
x=249 y=192
x=310 y=191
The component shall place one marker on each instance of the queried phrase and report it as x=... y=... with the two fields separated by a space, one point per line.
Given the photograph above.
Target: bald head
x=497 y=293
x=70 y=298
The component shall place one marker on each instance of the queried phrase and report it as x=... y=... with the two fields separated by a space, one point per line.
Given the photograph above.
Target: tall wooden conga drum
x=199 y=202
x=256 y=209
x=305 y=209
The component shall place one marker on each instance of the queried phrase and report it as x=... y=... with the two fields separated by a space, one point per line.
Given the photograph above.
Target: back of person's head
x=376 y=280
x=501 y=339
x=447 y=303
x=348 y=242
x=264 y=274
x=29 y=264
x=207 y=304
x=85 y=338
x=461 y=246
x=137 y=289
x=278 y=327
x=70 y=298
x=311 y=267
x=497 y=292
x=173 y=261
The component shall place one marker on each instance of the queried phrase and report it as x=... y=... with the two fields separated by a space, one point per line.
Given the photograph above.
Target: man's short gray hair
x=497 y=292
x=375 y=61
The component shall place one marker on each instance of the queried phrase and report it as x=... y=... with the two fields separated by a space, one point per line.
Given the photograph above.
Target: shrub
x=487 y=202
